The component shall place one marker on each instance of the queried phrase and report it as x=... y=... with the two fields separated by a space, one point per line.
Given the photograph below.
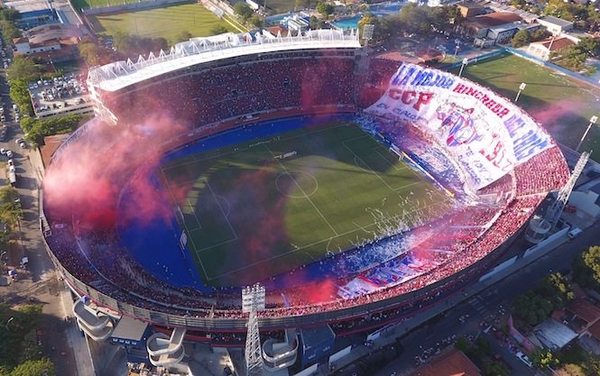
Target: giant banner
x=483 y=132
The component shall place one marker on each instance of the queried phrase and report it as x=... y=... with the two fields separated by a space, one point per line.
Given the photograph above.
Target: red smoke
x=87 y=177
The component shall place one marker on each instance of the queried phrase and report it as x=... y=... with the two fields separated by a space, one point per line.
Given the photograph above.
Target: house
x=492 y=28
x=555 y=25
x=553 y=334
x=450 y=363
x=544 y=48
x=57 y=42
x=468 y=9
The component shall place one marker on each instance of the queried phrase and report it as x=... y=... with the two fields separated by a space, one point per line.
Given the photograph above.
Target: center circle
x=296 y=184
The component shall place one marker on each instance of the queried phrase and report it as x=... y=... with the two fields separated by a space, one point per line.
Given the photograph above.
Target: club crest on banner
x=458 y=123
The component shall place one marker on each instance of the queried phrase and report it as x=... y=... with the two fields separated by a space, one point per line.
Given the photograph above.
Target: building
x=553 y=334
x=468 y=9
x=296 y=22
x=555 y=25
x=33 y=13
x=449 y=363
x=544 y=48
x=492 y=28
x=53 y=42
x=61 y=96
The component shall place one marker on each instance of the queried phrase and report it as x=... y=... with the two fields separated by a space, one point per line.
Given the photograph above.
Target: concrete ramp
x=166 y=351
x=97 y=327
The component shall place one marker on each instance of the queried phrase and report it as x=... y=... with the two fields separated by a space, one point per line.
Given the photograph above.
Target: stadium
x=356 y=190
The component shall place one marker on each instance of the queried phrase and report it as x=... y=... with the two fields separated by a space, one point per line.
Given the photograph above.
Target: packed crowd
x=467 y=236
x=230 y=91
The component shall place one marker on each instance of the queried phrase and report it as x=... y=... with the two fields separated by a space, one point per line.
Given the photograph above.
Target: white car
x=9 y=154
x=524 y=358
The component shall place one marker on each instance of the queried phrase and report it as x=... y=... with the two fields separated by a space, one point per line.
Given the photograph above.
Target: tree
x=34 y=368
x=570 y=370
x=521 y=38
x=256 y=21
x=243 y=10
x=36 y=129
x=315 y=23
x=544 y=359
x=219 y=29
x=586 y=268
x=9 y=14
x=23 y=69
x=184 y=36
x=532 y=308
x=539 y=34
x=19 y=93
x=91 y=53
x=520 y=4
x=10 y=209
x=326 y=9
x=557 y=289
x=495 y=368
x=589 y=46
x=9 y=31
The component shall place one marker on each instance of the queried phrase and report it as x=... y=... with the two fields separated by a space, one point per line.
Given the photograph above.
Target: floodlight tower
x=554 y=211
x=253 y=301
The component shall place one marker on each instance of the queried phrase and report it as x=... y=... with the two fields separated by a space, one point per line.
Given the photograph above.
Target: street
x=486 y=304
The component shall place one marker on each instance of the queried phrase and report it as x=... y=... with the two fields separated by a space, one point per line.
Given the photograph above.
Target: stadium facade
x=214 y=85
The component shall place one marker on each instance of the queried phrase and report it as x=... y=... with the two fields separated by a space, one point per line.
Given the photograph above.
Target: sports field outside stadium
x=168 y=22
x=264 y=207
x=562 y=104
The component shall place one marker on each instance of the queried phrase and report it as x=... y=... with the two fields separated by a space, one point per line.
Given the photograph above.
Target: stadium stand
x=387 y=279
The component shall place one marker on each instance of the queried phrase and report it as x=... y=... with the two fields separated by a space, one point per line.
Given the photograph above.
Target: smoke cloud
x=88 y=175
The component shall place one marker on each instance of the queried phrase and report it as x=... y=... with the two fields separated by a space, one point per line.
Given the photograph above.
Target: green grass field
x=167 y=22
x=83 y=4
x=561 y=104
x=251 y=213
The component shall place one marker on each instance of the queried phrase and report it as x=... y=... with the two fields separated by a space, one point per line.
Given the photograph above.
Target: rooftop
x=493 y=19
x=553 y=334
x=27 y=5
x=118 y=75
x=555 y=44
x=451 y=363
x=584 y=310
x=43 y=33
x=129 y=328
x=556 y=21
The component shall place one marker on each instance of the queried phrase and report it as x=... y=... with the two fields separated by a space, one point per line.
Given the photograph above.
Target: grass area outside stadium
x=561 y=104
x=168 y=22
x=258 y=209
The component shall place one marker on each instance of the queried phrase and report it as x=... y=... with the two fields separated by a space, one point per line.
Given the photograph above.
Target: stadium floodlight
x=253 y=298
x=593 y=121
x=465 y=61
x=521 y=88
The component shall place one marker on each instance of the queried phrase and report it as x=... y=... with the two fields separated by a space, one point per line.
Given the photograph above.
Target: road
x=61 y=339
x=486 y=304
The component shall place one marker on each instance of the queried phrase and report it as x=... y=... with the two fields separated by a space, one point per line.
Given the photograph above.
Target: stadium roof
x=118 y=75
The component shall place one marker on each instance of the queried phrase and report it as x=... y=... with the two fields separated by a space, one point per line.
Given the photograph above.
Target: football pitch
x=257 y=209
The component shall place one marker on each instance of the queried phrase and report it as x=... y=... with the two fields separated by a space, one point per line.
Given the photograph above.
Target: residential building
x=555 y=25
x=56 y=42
x=544 y=48
x=450 y=363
